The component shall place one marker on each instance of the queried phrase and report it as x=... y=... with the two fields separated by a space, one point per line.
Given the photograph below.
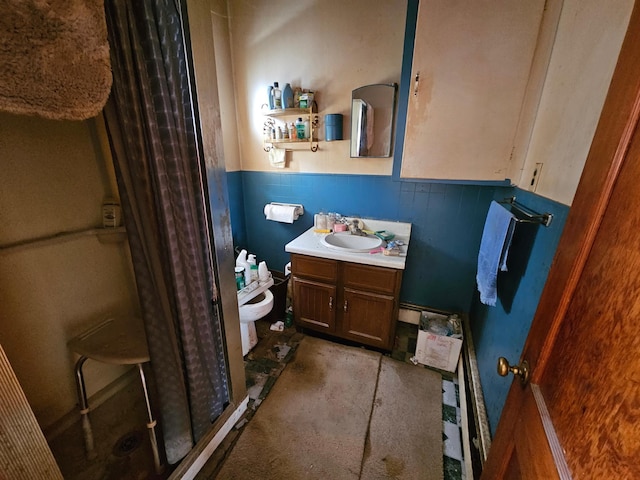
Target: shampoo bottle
x=277 y=96
x=287 y=96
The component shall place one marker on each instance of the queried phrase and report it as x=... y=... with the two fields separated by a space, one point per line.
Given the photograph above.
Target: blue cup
x=333 y=127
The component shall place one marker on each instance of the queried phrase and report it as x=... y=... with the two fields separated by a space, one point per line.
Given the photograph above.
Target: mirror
x=372 y=113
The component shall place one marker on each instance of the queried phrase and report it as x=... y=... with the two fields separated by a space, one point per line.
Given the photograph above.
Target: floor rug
x=405 y=434
x=315 y=422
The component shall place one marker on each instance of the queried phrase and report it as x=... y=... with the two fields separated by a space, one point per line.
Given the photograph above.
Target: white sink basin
x=346 y=242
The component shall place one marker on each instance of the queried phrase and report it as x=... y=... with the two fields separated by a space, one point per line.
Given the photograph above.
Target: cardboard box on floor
x=438 y=351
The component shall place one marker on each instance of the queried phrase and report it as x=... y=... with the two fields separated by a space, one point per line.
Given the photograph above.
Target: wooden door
x=578 y=416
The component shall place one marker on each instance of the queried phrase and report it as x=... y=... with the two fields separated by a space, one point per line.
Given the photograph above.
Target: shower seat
x=119 y=340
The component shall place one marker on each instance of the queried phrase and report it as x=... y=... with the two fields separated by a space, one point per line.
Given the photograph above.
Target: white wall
x=584 y=56
x=54 y=179
x=328 y=46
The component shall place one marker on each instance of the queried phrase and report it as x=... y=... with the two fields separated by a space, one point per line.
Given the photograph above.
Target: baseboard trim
x=483 y=440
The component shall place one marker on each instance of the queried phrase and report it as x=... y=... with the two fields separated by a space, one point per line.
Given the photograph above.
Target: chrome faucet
x=354 y=228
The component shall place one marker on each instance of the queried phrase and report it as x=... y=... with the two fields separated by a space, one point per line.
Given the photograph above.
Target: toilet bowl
x=252 y=310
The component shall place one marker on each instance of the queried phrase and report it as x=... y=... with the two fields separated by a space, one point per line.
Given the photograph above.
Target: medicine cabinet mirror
x=372 y=114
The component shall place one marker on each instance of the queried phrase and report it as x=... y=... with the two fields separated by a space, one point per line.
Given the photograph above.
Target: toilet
x=253 y=309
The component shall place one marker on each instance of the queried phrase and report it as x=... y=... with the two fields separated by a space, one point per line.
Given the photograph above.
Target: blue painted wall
x=447 y=222
x=501 y=331
x=236 y=208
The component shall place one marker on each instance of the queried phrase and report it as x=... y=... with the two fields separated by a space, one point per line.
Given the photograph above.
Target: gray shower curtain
x=150 y=121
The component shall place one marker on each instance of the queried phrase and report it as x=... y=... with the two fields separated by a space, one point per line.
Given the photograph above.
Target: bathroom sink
x=346 y=242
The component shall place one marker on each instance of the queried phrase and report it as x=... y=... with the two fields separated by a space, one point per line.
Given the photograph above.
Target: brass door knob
x=521 y=370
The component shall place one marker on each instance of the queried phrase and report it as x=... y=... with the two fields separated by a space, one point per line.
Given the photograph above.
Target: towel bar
x=529 y=215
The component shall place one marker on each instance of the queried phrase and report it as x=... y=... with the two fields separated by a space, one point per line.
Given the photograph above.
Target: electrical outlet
x=535 y=177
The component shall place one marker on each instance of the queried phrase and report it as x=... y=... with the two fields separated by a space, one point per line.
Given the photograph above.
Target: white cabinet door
x=471 y=65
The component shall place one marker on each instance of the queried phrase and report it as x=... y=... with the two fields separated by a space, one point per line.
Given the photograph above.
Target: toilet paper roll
x=281 y=213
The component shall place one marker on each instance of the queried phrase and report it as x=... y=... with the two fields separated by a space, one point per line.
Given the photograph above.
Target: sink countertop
x=310 y=243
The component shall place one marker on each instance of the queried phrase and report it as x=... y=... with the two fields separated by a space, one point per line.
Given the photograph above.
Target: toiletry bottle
x=293 y=134
x=263 y=272
x=253 y=267
x=270 y=96
x=288 y=318
x=296 y=97
x=287 y=96
x=239 y=278
x=300 y=129
x=277 y=96
x=241 y=261
x=307 y=130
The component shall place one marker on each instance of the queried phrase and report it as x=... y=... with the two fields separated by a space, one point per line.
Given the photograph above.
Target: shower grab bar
x=528 y=215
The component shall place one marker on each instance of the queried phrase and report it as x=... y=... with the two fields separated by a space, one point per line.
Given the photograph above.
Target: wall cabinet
x=347 y=300
x=469 y=82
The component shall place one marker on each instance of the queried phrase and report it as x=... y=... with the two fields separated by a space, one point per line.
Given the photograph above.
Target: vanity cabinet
x=471 y=92
x=347 y=300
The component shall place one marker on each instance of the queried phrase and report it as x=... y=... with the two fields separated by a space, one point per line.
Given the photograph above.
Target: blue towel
x=494 y=249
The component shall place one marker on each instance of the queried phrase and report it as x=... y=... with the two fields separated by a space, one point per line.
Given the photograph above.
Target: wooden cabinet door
x=314 y=304
x=368 y=318
x=471 y=67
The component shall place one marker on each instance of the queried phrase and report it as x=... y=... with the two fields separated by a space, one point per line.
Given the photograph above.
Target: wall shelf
x=281 y=114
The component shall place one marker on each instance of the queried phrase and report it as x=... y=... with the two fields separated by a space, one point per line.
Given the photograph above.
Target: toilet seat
x=257 y=307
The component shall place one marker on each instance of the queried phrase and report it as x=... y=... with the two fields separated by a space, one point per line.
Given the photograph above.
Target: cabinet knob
x=346 y=306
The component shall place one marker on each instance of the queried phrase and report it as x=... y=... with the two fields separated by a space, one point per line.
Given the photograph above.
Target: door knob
x=521 y=370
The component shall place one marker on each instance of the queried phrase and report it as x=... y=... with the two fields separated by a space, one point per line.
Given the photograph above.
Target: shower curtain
x=154 y=140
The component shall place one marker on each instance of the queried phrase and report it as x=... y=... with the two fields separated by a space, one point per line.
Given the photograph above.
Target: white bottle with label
x=307 y=130
x=241 y=261
x=253 y=267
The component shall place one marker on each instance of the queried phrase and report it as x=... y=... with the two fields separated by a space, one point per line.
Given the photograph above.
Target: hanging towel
x=277 y=157
x=494 y=249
